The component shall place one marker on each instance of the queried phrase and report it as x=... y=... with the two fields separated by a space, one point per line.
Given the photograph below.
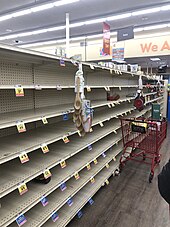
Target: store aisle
x=129 y=200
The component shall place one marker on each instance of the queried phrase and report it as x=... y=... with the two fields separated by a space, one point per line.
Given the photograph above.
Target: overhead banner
x=125 y=34
x=106 y=38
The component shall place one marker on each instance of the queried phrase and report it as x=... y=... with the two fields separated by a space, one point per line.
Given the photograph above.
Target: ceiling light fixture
x=155 y=59
x=146 y=11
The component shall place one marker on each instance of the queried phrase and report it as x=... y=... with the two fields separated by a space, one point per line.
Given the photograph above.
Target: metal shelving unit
x=49 y=93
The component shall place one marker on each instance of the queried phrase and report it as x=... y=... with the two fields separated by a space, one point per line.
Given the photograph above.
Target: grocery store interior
x=84 y=113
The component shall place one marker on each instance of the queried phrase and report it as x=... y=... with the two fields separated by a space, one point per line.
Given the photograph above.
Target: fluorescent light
x=138 y=29
x=165 y=8
x=42 y=7
x=155 y=27
x=78 y=24
x=146 y=11
x=155 y=59
x=55 y=28
x=95 y=21
x=118 y=17
x=6 y=17
x=21 y=13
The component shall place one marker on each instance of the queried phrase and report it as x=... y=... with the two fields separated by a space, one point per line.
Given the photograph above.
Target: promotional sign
x=22 y=188
x=106 y=38
x=54 y=216
x=63 y=186
x=44 y=201
x=118 y=54
x=20 y=220
x=23 y=157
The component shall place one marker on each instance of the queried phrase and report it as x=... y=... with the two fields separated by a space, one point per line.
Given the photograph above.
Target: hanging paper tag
x=90 y=147
x=62 y=62
x=20 y=220
x=95 y=161
x=38 y=87
x=59 y=88
x=104 y=155
x=107 y=182
x=19 y=91
x=114 y=159
x=44 y=120
x=108 y=88
x=107 y=166
x=115 y=132
x=91 y=66
x=91 y=201
x=23 y=157
x=112 y=104
x=79 y=133
x=88 y=89
x=63 y=164
x=109 y=105
x=120 y=88
x=79 y=214
x=70 y=202
x=91 y=130
x=22 y=188
x=88 y=166
x=47 y=173
x=101 y=124
x=76 y=175
x=63 y=187
x=65 y=117
x=44 y=201
x=65 y=139
x=20 y=126
x=54 y=216
x=111 y=71
x=92 y=180
x=44 y=148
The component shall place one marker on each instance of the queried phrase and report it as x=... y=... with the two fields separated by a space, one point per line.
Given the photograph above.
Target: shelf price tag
x=44 y=120
x=20 y=126
x=107 y=166
x=47 y=173
x=88 y=89
x=90 y=147
x=112 y=104
x=91 y=201
x=103 y=154
x=109 y=105
x=107 y=182
x=92 y=180
x=91 y=66
x=23 y=157
x=111 y=71
x=76 y=175
x=44 y=201
x=20 y=220
x=59 y=88
x=120 y=88
x=88 y=166
x=70 y=202
x=38 y=87
x=65 y=117
x=62 y=62
x=63 y=186
x=54 y=216
x=19 y=91
x=79 y=133
x=44 y=148
x=91 y=130
x=79 y=214
x=65 y=139
x=22 y=188
x=63 y=164
x=101 y=124
x=95 y=161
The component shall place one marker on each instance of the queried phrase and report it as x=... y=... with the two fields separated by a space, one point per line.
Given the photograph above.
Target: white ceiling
x=80 y=11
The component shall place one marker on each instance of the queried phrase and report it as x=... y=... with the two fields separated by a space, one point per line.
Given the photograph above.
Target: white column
x=67 y=36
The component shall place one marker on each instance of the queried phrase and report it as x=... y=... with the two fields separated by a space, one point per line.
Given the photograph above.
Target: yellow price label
x=21 y=126
x=76 y=175
x=23 y=157
x=63 y=164
x=107 y=182
x=65 y=139
x=92 y=180
x=88 y=89
x=22 y=188
x=88 y=166
x=107 y=166
x=44 y=120
x=19 y=91
x=95 y=161
x=44 y=148
x=47 y=173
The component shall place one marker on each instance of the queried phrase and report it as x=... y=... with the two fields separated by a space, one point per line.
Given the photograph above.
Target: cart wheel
x=151 y=177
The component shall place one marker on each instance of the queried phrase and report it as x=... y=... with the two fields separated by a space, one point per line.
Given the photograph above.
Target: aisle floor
x=129 y=200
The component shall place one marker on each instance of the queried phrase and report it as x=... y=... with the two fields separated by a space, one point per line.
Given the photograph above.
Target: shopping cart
x=142 y=139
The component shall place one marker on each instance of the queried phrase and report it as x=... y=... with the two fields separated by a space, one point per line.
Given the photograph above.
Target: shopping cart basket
x=142 y=139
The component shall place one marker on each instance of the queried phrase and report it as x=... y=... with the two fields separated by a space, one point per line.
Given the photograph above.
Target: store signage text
x=152 y=47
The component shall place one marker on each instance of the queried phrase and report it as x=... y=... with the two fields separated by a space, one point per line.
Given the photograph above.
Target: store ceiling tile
x=80 y=11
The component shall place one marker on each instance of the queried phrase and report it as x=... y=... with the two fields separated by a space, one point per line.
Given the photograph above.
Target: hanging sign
x=106 y=38
x=47 y=173
x=107 y=182
x=91 y=201
x=90 y=147
x=92 y=180
x=88 y=166
x=44 y=201
x=23 y=157
x=63 y=164
x=22 y=188
x=20 y=126
x=107 y=166
x=19 y=91
x=103 y=154
x=62 y=62
x=54 y=216
x=44 y=120
x=63 y=186
x=65 y=116
x=76 y=175
x=95 y=161
x=20 y=220
x=44 y=148
x=65 y=139
x=80 y=214
x=70 y=202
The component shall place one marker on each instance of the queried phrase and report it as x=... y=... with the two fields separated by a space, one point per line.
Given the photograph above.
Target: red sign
x=106 y=38
x=151 y=47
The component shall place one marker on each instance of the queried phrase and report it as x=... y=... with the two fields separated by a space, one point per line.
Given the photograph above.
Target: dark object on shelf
x=42 y=180
x=113 y=97
x=139 y=101
x=162 y=68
